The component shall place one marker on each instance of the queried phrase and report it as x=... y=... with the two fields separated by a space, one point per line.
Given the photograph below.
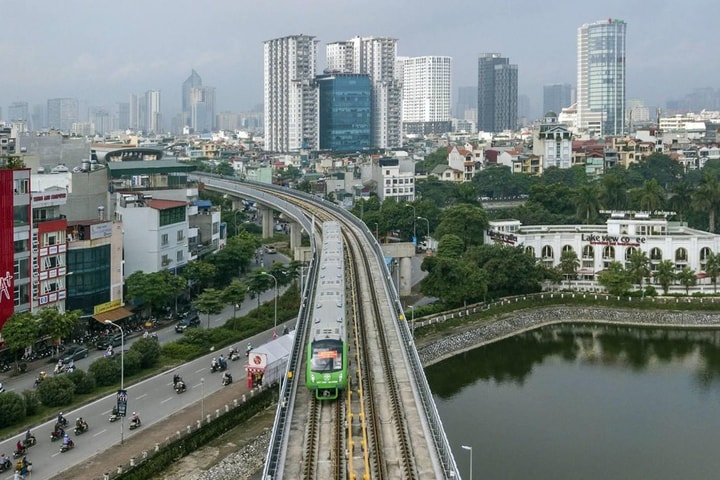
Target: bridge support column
x=405 y=276
x=237 y=203
x=295 y=235
x=267 y=222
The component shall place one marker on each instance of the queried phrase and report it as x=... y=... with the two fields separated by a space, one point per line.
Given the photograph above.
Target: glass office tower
x=345 y=112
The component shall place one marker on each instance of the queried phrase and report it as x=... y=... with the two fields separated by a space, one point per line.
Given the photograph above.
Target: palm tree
x=712 y=268
x=613 y=193
x=687 y=278
x=569 y=264
x=651 y=196
x=707 y=198
x=665 y=274
x=587 y=202
x=639 y=266
x=681 y=199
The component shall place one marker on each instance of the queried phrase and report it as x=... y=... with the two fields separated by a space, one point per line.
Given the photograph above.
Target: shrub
x=106 y=371
x=181 y=351
x=32 y=402
x=56 y=391
x=149 y=350
x=133 y=362
x=12 y=409
x=84 y=382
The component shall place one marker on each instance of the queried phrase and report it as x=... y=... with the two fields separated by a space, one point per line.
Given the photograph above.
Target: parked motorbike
x=67 y=446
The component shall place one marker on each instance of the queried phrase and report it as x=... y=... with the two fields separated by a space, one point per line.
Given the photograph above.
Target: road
x=153 y=399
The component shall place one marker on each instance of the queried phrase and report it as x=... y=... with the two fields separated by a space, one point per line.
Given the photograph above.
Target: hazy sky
x=100 y=51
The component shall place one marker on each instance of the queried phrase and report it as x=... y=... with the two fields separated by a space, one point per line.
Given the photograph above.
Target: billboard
x=7 y=247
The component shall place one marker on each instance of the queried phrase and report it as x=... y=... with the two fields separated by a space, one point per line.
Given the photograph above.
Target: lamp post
x=414 y=222
x=428 y=227
x=276 y=295
x=202 y=399
x=122 y=373
x=465 y=447
x=376 y=231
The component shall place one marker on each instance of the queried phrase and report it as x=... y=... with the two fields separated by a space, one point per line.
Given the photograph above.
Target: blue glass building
x=345 y=112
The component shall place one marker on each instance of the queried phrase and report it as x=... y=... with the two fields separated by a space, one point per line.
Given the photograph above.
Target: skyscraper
x=290 y=94
x=556 y=97
x=497 y=93
x=62 y=113
x=426 y=94
x=153 y=117
x=202 y=109
x=374 y=56
x=18 y=111
x=345 y=111
x=601 y=77
x=466 y=102
x=191 y=82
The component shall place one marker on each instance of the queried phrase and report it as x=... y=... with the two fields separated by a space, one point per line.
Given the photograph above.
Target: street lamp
x=376 y=231
x=465 y=447
x=122 y=373
x=414 y=222
x=276 y=295
x=202 y=399
x=428 y=227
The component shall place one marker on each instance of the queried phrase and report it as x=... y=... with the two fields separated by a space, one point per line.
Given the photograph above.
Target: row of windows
x=165 y=238
x=398 y=190
x=608 y=253
x=171 y=216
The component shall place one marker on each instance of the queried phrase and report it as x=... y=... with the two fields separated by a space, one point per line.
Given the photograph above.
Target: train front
x=327 y=368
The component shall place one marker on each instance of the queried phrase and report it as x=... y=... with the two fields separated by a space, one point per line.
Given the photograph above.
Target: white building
x=552 y=141
x=394 y=179
x=374 y=56
x=426 y=94
x=597 y=246
x=290 y=95
x=601 y=77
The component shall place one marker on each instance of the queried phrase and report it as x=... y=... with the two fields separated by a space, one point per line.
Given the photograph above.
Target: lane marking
x=141 y=396
x=100 y=432
x=201 y=370
x=167 y=400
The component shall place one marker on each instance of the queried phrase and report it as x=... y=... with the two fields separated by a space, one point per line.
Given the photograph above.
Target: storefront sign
x=7 y=283
x=501 y=237
x=620 y=241
x=106 y=307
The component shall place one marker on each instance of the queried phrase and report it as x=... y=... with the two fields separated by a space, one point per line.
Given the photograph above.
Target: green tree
x=510 y=269
x=665 y=274
x=152 y=290
x=569 y=264
x=687 y=278
x=149 y=351
x=650 y=196
x=235 y=294
x=199 y=274
x=209 y=302
x=105 y=371
x=84 y=382
x=615 y=279
x=638 y=267
x=707 y=198
x=466 y=221
x=12 y=409
x=20 y=331
x=56 y=391
x=257 y=283
x=58 y=325
x=587 y=202
x=452 y=280
x=712 y=268
x=681 y=199
x=451 y=246
x=498 y=181
x=614 y=191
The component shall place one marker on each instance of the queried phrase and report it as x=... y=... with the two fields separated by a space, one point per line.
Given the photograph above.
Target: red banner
x=7 y=247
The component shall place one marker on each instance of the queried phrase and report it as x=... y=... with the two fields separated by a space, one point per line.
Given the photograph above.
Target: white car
x=270 y=249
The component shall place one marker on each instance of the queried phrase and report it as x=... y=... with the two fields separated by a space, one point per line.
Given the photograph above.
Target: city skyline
x=81 y=57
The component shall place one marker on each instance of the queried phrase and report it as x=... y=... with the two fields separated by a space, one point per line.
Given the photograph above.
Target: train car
x=327 y=346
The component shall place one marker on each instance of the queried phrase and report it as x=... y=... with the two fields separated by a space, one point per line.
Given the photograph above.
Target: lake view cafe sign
x=593 y=239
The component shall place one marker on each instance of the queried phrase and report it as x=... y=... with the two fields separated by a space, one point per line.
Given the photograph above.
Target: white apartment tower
x=376 y=57
x=426 y=94
x=290 y=94
x=601 y=77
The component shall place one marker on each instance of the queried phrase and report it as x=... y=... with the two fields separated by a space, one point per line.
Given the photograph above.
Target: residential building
x=62 y=113
x=426 y=94
x=123 y=115
x=290 y=94
x=392 y=180
x=202 y=109
x=193 y=81
x=18 y=112
x=497 y=93
x=552 y=142
x=556 y=97
x=152 y=113
x=376 y=57
x=601 y=77
x=345 y=112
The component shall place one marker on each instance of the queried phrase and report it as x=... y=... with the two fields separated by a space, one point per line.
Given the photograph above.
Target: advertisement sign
x=106 y=307
x=122 y=402
x=101 y=230
x=258 y=360
x=7 y=248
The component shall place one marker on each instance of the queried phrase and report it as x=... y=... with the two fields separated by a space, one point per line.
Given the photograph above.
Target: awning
x=113 y=315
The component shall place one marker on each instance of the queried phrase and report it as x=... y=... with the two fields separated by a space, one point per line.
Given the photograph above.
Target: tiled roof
x=158 y=204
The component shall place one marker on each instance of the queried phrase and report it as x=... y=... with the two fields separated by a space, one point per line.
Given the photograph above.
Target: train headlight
x=312 y=378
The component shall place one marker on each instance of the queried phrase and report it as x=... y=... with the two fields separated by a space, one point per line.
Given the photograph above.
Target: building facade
x=552 y=141
x=62 y=113
x=290 y=94
x=426 y=94
x=345 y=109
x=601 y=77
x=497 y=93
x=202 y=109
x=556 y=97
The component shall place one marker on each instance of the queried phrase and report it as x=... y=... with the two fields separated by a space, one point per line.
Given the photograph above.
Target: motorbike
x=135 y=423
x=67 y=446
x=227 y=380
x=6 y=465
x=63 y=422
x=56 y=435
x=234 y=355
x=180 y=387
x=218 y=367
x=114 y=417
x=81 y=428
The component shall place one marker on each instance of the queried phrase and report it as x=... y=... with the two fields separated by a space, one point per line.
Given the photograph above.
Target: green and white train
x=327 y=363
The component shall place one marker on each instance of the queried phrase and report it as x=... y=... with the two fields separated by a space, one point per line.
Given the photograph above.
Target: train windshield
x=327 y=356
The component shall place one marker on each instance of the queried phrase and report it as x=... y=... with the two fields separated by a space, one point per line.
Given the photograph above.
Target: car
x=191 y=320
x=73 y=353
x=270 y=249
x=114 y=340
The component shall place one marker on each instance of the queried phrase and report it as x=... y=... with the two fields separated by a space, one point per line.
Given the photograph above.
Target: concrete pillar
x=237 y=203
x=295 y=235
x=267 y=222
x=405 y=273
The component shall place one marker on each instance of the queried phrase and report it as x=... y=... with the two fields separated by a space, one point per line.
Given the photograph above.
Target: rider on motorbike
x=227 y=378
x=80 y=424
x=67 y=443
x=213 y=364
x=61 y=420
x=135 y=418
x=20 y=447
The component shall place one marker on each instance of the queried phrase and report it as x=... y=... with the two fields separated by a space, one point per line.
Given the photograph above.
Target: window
x=180 y=235
x=180 y=256
x=21 y=246
x=164 y=240
x=165 y=260
x=171 y=216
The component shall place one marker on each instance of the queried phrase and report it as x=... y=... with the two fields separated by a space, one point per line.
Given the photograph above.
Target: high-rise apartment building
x=556 y=97
x=497 y=93
x=376 y=57
x=601 y=77
x=426 y=94
x=202 y=109
x=62 y=113
x=193 y=81
x=152 y=115
x=466 y=103
x=18 y=111
x=290 y=94
x=123 y=115
x=345 y=112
